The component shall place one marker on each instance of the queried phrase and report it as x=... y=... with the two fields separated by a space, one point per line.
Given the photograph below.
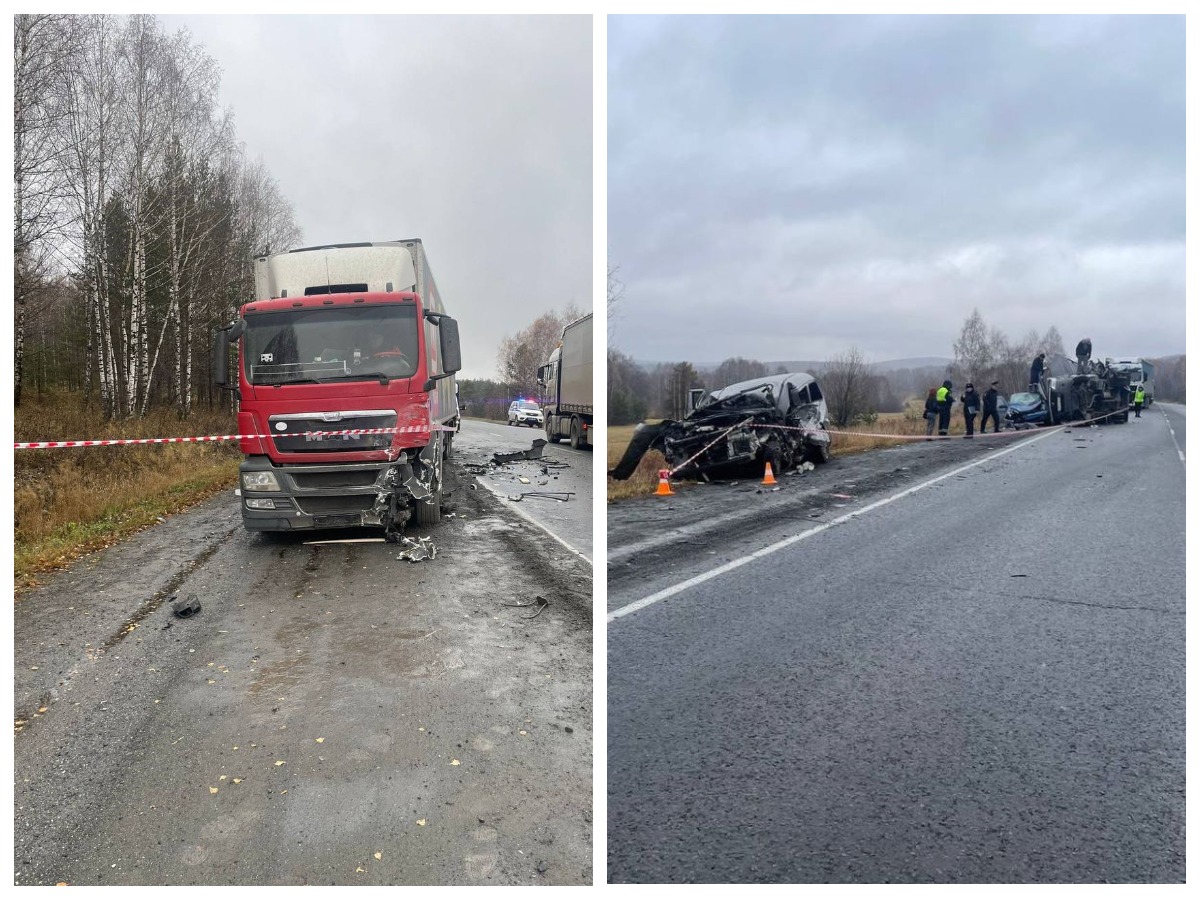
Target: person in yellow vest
x=945 y=399
x=1139 y=397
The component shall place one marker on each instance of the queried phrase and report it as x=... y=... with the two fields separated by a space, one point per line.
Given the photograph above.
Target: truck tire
x=576 y=434
x=552 y=434
x=429 y=510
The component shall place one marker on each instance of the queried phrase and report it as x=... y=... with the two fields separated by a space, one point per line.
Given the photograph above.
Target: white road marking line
x=796 y=538
x=1175 y=442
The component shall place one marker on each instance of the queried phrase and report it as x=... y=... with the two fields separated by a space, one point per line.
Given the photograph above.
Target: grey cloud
x=793 y=156
x=473 y=133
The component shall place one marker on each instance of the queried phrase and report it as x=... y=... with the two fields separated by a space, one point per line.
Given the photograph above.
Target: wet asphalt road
x=568 y=471
x=332 y=715
x=980 y=682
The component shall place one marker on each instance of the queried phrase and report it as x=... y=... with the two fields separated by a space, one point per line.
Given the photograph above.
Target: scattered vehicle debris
x=780 y=419
x=185 y=609
x=369 y=540
x=560 y=496
x=418 y=549
x=534 y=452
x=539 y=602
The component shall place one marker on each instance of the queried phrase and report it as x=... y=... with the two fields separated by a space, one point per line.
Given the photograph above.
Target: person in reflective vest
x=945 y=399
x=1139 y=397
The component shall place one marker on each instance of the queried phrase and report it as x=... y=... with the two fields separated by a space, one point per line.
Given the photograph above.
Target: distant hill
x=916 y=362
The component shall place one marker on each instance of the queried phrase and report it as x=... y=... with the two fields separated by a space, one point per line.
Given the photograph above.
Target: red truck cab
x=346 y=389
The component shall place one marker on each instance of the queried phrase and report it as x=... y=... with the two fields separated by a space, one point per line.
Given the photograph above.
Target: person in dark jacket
x=990 y=409
x=1035 y=371
x=970 y=405
x=945 y=399
x=931 y=413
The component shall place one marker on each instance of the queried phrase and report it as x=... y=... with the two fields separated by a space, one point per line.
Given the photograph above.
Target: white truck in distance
x=1141 y=374
x=567 y=379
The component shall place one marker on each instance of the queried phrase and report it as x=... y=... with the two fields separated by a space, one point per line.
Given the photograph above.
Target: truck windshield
x=342 y=343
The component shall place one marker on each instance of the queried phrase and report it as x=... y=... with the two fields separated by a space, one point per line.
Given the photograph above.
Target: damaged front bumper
x=342 y=495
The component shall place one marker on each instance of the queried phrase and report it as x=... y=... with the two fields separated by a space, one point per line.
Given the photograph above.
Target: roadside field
x=68 y=502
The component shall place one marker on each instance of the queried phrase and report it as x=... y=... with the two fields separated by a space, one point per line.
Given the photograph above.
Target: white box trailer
x=567 y=378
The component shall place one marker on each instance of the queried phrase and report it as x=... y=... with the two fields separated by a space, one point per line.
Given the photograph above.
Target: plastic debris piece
x=185 y=609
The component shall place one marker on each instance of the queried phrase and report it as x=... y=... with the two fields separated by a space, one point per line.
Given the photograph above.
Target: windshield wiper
x=294 y=381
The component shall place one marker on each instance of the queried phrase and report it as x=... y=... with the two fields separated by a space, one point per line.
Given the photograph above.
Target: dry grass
x=859 y=439
x=72 y=501
x=644 y=480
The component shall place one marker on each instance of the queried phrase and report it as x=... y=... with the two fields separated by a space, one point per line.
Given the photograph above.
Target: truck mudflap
x=382 y=495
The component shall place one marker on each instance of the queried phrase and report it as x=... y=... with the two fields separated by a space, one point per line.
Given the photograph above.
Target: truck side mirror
x=220 y=351
x=543 y=374
x=451 y=349
x=220 y=358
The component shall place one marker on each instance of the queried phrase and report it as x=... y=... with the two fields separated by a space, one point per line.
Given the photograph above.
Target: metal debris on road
x=539 y=602
x=185 y=609
x=418 y=549
x=370 y=540
x=560 y=496
x=534 y=452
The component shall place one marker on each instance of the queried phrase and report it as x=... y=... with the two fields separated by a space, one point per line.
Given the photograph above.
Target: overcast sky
x=784 y=188
x=471 y=133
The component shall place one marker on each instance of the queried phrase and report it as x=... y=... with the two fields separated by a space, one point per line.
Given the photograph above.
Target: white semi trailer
x=567 y=380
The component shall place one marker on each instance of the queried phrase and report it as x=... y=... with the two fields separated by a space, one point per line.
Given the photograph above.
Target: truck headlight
x=259 y=481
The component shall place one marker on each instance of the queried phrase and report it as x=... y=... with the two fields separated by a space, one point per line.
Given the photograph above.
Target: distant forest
x=856 y=391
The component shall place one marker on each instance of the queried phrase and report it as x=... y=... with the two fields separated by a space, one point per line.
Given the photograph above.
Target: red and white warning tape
x=898 y=437
x=119 y=442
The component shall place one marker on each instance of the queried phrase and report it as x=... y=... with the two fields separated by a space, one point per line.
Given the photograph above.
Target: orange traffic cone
x=664 y=486
x=769 y=476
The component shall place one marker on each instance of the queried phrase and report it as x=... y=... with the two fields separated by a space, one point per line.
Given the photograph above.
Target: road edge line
x=528 y=518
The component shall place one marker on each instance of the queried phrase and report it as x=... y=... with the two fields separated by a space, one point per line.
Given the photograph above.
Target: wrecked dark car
x=1025 y=409
x=779 y=419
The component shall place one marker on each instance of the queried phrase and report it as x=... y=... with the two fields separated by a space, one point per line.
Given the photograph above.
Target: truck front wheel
x=552 y=434
x=429 y=510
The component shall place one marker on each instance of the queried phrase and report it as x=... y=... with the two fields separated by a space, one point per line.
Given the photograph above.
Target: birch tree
x=88 y=163
x=42 y=45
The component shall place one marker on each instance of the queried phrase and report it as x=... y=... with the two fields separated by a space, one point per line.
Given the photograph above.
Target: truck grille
x=288 y=432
